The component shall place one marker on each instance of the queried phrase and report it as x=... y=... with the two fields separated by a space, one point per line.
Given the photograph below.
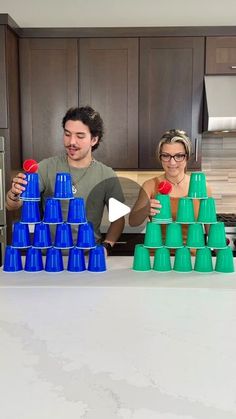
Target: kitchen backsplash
x=219 y=165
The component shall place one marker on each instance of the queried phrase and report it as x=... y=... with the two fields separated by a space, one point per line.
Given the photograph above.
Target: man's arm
x=113 y=233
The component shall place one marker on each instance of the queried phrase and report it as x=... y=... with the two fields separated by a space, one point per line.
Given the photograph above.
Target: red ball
x=30 y=166
x=165 y=187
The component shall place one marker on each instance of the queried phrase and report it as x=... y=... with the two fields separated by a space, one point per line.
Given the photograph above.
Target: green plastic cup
x=216 y=236
x=174 y=238
x=195 y=236
x=162 y=261
x=185 y=211
x=183 y=262
x=207 y=211
x=153 y=235
x=197 y=185
x=203 y=260
x=141 y=260
x=165 y=215
x=224 y=260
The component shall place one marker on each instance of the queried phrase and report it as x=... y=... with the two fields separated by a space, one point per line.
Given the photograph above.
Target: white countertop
x=118 y=345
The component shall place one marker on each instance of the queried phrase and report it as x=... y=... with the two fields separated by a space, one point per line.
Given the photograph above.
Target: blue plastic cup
x=30 y=213
x=21 y=235
x=33 y=260
x=76 y=260
x=85 y=237
x=31 y=192
x=52 y=212
x=54 y=261
x=63 y=237
x=42 y=236
x=63 y=186
x=12 y=260
x=76 y=212
x=97 y=259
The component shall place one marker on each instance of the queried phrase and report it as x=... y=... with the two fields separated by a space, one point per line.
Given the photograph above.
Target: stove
x=229 y=220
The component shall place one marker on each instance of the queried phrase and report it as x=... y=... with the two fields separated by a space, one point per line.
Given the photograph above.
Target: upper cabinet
x=171 y=92
x=108 y=81
x=9 y=99
x=221 y=55
x=141 y=87
x=49 y=86
x=3 y=79
x=137 y=110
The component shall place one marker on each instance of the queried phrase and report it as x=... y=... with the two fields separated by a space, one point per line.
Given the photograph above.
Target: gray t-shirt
x=96 y=184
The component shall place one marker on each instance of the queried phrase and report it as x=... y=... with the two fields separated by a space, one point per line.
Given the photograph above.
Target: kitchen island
x=119 y=344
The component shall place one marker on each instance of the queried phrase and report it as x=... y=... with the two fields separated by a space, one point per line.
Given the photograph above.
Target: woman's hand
x=154 y=207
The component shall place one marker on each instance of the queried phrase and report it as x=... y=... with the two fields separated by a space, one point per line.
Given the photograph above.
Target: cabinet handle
x=233 y=67
x=196 y=149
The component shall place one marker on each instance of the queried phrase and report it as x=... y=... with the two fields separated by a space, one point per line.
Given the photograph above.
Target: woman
x=173 y=151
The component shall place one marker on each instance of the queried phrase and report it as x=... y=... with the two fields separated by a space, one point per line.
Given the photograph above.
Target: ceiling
x=119 y=13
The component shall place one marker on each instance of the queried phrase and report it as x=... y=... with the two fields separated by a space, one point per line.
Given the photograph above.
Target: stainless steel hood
x=221 y=104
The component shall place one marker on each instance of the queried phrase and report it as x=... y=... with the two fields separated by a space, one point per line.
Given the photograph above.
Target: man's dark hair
x=89 y=117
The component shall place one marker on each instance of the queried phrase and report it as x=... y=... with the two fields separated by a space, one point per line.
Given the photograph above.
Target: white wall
x=120 y=13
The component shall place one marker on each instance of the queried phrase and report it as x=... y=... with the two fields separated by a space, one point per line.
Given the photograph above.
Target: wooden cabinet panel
x=108 y=81
x=221 y=55
x=3 y=79
x=13 y=96
x=49 y=86
x=171 y=90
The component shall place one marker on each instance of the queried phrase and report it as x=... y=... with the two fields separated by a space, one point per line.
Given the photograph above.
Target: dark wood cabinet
x=10 y=109
x=108 y=81
x=171 y=92
x=9 y=100
x=141 y=87
x=3 y=79
x=221 y=55
x=49 y=86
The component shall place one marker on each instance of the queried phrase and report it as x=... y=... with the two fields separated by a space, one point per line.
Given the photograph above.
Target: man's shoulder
x=51 y=161
x=103 y=168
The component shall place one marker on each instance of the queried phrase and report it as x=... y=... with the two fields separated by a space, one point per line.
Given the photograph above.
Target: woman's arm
x=145 y=206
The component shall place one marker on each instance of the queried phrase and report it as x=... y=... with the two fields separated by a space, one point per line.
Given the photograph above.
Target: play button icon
x=116 y=209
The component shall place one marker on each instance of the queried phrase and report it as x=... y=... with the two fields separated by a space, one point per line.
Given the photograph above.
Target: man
x=92 y=180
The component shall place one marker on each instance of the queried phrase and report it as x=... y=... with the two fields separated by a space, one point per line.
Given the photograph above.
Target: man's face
x=78 y=140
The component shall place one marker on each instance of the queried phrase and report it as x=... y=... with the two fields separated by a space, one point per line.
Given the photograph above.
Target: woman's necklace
x=175 y=183
x=75 y=179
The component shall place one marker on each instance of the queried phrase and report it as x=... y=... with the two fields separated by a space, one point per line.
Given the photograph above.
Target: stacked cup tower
x=42 y=238
x=202 y=243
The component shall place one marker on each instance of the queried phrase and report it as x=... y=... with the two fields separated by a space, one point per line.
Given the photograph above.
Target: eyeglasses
x=177 y=157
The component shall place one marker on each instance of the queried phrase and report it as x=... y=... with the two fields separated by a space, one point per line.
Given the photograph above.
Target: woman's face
x=172 y=167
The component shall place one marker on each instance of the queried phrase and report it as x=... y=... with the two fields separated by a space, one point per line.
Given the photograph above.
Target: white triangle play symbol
x=116 y=209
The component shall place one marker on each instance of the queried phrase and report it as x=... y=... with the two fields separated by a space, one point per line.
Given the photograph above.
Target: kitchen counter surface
x=118 y=345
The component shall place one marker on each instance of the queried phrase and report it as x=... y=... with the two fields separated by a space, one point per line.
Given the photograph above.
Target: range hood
x=220 y=104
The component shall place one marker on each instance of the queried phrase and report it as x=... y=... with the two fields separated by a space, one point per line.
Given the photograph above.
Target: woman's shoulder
x=151 y=185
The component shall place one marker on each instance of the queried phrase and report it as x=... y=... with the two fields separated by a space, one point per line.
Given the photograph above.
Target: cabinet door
x=221 y=55
x=108 y=81
x=49 y=86
x=171 y=91
x=3 y=80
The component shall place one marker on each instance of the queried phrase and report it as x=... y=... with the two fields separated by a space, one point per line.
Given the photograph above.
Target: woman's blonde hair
x=174 y=136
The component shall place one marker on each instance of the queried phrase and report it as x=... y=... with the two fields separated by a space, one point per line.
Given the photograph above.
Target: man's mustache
x=71 y=147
